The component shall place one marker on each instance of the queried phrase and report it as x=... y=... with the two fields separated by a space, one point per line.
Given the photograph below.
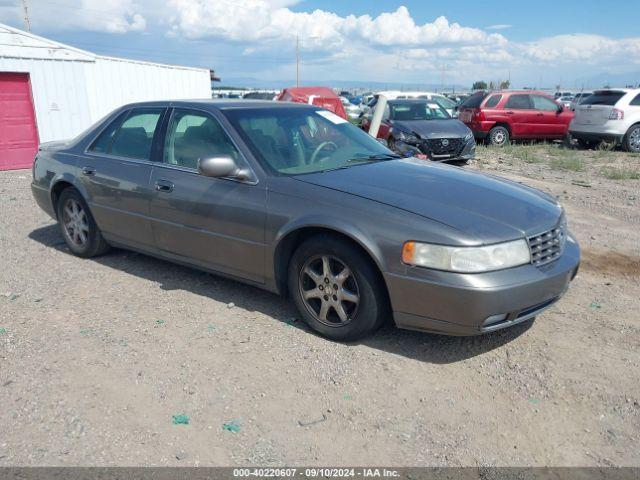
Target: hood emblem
x=445 y=142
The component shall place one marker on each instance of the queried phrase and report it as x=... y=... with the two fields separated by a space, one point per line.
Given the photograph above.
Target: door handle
x=540 y=114
x=164 y=186
x=88 y=170
x=509 y=112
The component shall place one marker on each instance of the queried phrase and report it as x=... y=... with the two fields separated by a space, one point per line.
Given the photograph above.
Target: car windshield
x=444 y=102
x=293 y=140
x=417 y=111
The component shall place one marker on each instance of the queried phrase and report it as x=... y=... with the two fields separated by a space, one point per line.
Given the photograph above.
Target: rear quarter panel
x=53 y=165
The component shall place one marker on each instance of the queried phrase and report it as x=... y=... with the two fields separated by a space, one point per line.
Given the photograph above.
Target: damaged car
x=423 y=129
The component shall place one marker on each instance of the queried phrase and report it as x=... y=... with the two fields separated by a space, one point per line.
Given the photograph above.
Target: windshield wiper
x=374 y=158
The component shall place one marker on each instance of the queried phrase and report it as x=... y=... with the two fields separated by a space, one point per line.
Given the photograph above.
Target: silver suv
x=612 y=115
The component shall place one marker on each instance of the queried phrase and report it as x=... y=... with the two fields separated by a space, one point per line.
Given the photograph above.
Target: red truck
x=500 y=116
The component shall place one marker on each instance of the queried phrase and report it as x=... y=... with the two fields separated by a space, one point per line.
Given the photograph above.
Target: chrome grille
x=548 y=246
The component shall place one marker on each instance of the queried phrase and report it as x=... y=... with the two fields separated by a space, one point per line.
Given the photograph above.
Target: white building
x=51 y=91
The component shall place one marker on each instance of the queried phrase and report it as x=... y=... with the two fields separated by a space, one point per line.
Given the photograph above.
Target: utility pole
x=297 y=60
x=27 y=23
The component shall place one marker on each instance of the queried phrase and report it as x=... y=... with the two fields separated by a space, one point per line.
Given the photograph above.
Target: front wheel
x=498 y=136
x=631 y=140
x=78 y=227
x=336 y=288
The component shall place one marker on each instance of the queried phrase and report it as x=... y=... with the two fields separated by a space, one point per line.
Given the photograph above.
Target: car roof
x=409 y=100
x=221 y=104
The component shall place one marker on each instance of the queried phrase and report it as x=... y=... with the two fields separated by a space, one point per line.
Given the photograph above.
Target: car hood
x=486 y=208
x=447 y=128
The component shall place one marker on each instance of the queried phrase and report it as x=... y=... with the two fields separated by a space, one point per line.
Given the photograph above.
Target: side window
x=102 y=144
x=135 y=136
x=492 y=101
x=636 y=101
x=387 y=113
x=519 y=102
x=544 y=103
x=194 y=135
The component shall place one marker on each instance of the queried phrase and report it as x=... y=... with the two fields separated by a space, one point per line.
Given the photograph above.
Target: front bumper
x=472 y=304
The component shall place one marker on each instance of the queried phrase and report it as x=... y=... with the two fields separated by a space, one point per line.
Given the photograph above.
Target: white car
x=613 y=115
x=565 y=101
x=353 y=111
x=441 y=100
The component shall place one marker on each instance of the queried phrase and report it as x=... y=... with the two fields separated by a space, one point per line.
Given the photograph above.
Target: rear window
x=473 y=101
x=493 y=101
x=604 y=97
x=636 y=101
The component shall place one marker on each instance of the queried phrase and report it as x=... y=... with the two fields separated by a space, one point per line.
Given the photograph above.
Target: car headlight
x=467 y=259
x=408 y=137
x=468 y=136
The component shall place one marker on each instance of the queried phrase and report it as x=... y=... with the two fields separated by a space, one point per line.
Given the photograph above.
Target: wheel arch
x=61 y=183
x=504 y=124
x=289 y=241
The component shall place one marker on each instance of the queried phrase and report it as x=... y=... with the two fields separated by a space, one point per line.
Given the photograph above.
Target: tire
x=631 y=141
x=588 y=144
x=78 y=228
x=363 y=300
x=498 y=136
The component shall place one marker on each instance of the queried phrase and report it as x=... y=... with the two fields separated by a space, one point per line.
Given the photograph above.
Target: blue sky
x=413 y=42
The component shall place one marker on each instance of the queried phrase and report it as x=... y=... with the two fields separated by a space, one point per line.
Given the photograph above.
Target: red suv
x=501 y=116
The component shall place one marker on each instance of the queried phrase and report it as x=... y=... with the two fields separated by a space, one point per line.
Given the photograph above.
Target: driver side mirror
x=560 y=108
x=222 y=167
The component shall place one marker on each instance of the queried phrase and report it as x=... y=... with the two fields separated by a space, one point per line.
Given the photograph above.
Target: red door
x=18 y=132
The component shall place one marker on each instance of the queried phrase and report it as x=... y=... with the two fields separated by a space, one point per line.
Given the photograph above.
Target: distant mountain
x=250 y=82
x=612 y=79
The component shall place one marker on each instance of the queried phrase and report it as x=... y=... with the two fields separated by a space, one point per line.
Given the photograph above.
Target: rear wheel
x=336 y=289
x=498 y=136
x=78 y=227
x=631 y=140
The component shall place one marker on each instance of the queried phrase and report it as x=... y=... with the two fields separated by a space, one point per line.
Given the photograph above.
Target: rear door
x=519 y=111
x=597 y=108
x=115 y=171
x=217 y=223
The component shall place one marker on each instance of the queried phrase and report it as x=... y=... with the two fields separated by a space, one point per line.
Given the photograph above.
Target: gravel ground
x=129 y=360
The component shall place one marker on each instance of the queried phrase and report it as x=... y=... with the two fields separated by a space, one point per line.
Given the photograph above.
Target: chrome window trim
x=108 y=123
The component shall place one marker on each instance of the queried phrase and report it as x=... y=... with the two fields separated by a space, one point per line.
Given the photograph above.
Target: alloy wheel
x=329 y=290
x=75 y=222
x=498 y=137
x=634 y=140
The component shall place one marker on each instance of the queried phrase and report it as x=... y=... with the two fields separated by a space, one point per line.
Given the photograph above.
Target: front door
x=115 y=172
x=548 y=120
x=217 y=223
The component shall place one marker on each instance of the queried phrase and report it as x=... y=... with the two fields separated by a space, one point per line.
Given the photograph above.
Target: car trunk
x=597 y=109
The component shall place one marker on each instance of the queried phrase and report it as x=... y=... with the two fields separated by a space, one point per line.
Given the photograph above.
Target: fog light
x=493 y=319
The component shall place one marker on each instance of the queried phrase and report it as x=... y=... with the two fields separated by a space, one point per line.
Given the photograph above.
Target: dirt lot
x=102 y=362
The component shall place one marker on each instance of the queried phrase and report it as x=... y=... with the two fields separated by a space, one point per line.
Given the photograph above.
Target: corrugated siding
x=114 y=82
x=59 y=95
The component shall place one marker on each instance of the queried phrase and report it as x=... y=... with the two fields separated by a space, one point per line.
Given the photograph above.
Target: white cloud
x=112 y=16
x=499 y=26
x=579 y=47
x=253 y=20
